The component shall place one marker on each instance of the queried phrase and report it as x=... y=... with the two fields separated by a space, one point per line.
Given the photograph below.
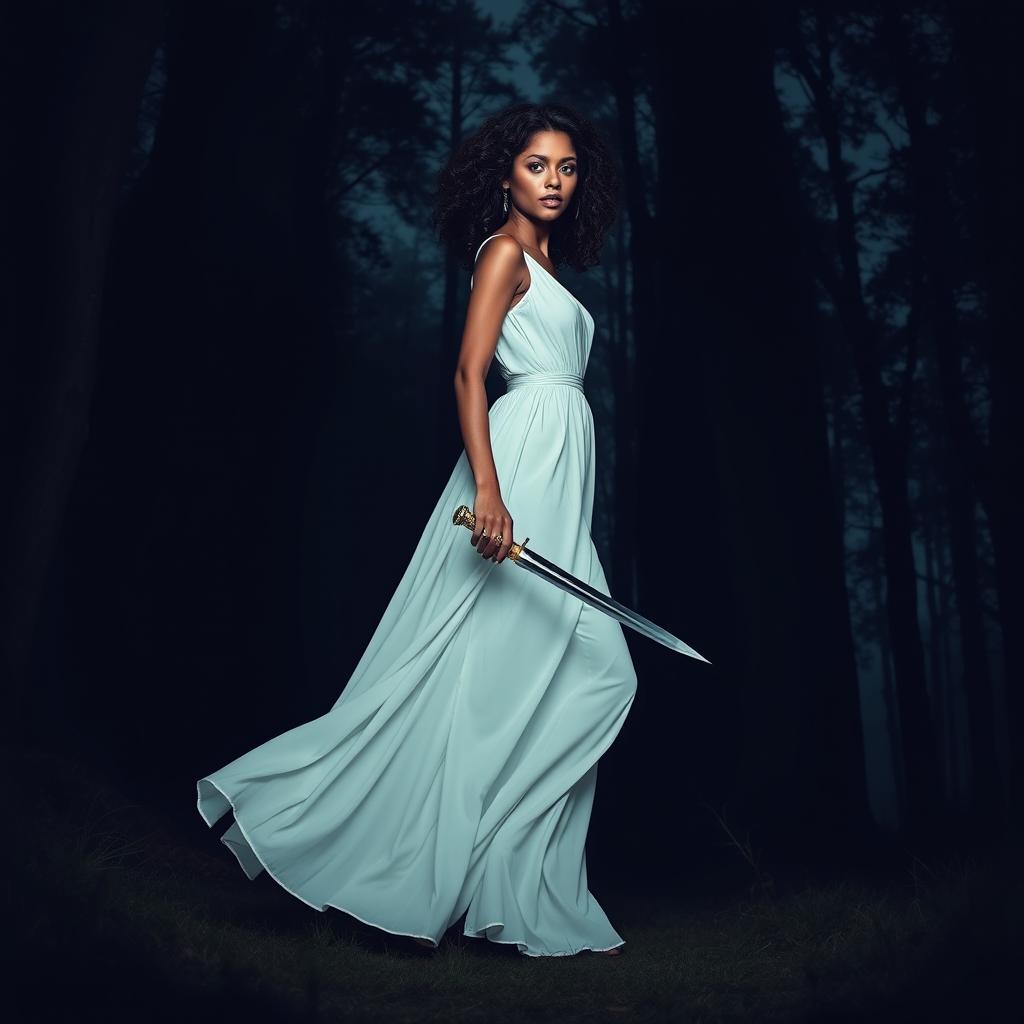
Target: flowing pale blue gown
x=456 y=772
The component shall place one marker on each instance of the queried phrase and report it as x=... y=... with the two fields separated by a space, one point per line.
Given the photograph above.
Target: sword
x=540 y=566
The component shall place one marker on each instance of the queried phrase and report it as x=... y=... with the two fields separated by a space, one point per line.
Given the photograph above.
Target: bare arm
x=499 y=272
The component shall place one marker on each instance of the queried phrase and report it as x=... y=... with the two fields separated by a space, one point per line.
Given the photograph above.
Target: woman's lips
x=552 y=200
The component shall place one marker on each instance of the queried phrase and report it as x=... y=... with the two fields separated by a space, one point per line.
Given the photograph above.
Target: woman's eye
x=564 y=167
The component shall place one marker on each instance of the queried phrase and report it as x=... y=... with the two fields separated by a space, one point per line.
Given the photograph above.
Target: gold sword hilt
x=465 y=517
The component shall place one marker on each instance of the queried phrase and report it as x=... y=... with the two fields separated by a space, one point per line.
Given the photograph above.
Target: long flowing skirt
x=456 y=771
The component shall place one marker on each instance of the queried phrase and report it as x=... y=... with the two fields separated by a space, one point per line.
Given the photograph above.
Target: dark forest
x=225 y=389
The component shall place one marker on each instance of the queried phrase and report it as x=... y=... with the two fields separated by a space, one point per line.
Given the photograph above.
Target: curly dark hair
x=468 y=200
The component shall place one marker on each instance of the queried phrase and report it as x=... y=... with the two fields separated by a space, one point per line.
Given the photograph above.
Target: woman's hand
x=494 y=521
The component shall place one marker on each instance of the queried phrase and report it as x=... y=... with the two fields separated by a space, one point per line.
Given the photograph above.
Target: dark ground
x=116 y=913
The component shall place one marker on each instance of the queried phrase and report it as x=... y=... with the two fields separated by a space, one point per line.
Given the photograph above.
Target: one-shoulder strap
x=485 y=241
x=482 y=244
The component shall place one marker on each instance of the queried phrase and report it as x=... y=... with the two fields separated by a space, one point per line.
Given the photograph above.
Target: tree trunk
x=740 y=332
x=935 y=240
x=624 y=553
x=448 y=433
x=890 y=701
x=987 y=41
x=638 y=376
x=91 y=122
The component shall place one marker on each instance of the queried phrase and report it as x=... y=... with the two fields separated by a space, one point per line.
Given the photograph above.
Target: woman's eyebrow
x=540 y=156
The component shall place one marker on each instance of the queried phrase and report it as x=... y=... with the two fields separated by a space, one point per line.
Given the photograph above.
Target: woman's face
x=546 y=168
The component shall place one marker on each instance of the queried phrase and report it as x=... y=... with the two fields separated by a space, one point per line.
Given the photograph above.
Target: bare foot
x=423 y=942
x=614 y=951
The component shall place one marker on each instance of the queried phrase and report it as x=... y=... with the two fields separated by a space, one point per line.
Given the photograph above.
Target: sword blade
x=540 y=566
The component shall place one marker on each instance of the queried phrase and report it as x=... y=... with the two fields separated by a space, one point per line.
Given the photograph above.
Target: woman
x=456 y=772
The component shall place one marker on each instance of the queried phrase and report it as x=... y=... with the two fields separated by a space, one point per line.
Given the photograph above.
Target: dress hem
x=270 y=871
x=334 y=906
x=526 y=952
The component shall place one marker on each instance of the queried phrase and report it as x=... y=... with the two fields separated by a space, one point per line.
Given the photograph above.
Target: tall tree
x=621 y=41
x=92 y=64
x=986 y=46
x=241 y=256
x=466 y=85
x=739 y=269
x=937 y=238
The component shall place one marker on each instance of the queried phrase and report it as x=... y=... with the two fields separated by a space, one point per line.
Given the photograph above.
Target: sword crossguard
x=464 y=517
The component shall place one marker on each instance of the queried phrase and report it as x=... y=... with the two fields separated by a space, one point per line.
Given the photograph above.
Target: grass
x=116 y=914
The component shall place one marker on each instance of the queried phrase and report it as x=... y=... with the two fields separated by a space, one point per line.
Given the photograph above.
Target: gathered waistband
x=518 y=380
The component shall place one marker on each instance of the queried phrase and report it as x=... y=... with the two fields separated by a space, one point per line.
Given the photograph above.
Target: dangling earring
x=505 y=200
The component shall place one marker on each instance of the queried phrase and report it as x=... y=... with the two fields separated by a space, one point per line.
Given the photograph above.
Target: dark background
x=225 y=390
